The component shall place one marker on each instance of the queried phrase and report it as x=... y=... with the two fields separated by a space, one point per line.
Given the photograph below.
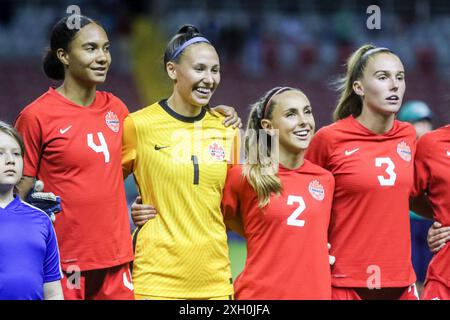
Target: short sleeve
x=52 y=266
x=230 y=199
x=29 y=127
x=123 y=109
x=421 y=168
x=129 y=145
x=319 y=149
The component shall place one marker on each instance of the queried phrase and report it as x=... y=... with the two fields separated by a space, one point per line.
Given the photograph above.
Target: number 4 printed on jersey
x=103 y=147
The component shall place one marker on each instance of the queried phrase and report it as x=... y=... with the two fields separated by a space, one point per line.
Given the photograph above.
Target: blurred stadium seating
x=261 y=43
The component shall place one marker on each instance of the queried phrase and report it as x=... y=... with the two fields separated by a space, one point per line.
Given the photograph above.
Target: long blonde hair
x=259 y=167
x=349 y=102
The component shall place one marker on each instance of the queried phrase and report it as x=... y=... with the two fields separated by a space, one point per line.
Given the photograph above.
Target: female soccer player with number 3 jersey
x=178 y=151
x=372 y=158
x=285 y=209
x=432 y=180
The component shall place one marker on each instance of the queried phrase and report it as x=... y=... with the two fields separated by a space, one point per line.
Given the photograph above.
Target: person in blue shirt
x=29 y=256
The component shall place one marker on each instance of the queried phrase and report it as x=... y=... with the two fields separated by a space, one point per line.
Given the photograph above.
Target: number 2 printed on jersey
x=292 y=219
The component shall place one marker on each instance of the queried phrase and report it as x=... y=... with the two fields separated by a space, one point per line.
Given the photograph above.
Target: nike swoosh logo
x=160 y=147
x=126 y=282
x=349 y=152
x=62 y=131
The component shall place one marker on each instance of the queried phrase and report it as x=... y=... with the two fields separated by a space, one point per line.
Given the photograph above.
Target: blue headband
x=187 y=43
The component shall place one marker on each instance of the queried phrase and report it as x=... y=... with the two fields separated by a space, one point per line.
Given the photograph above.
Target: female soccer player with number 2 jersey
x=178 y=151
x=283 y=205
x=371 y=156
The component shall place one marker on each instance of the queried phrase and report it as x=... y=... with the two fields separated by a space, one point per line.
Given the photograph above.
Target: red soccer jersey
x=76 y=152
x=287 y=254
x=369 y=228
x=432 y=176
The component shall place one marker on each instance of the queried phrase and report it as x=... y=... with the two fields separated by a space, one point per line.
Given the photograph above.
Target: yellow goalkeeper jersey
x=180 y=166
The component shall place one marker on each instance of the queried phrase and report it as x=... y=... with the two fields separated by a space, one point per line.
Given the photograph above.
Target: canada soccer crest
x=112 y=121
x=216 y=151
x=404 y=151
x=316 y=190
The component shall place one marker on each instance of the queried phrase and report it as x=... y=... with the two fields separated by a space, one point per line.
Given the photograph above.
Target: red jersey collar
x=52 y=91
x=352 y=120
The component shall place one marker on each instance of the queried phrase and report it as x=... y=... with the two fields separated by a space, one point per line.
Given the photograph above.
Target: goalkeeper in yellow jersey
x=178 y=150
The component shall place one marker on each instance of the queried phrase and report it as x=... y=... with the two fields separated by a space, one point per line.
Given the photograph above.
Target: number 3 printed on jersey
x=292 y=220
x=379 y=162
x=103 y=147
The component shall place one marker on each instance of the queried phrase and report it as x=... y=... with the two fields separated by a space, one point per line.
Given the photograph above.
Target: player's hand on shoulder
x=141 y=213
x=231 y=116
x=437 y=237
x=46 y=201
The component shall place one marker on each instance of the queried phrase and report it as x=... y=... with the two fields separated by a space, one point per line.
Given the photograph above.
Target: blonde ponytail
x=349 y=102
x=260 y=169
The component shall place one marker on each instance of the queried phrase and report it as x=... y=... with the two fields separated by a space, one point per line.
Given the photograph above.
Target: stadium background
x=262 y=44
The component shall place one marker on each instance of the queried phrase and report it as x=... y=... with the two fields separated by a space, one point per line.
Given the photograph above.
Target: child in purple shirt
x=29 y=257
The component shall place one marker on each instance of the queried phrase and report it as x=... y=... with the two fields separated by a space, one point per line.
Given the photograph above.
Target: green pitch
x=238 y=253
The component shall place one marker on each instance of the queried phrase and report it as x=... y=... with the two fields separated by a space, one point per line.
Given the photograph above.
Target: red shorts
x=103 y=284
x=435 y=290
x=343 y=293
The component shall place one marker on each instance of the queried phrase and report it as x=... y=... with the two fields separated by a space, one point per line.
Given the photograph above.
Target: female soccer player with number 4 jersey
x=284 y=206
x=178 y=151
x=73 y=139
x=371 y=155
